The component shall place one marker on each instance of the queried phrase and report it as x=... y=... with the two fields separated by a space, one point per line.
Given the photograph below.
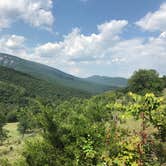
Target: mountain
x=108 y=81
x=14 y=84
x=52 y=75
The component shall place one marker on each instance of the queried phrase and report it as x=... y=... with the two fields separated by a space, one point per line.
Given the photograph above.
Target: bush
x=12 y=116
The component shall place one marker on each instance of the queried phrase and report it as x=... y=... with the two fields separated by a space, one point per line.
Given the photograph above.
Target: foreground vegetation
x=112 y=129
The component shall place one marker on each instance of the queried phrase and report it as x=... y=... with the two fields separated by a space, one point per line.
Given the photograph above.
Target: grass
x=12 y=128
x=11 y=147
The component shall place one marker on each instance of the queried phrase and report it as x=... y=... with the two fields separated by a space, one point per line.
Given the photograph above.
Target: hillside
x=17 y=89
x=52 y=75
x=111 y=81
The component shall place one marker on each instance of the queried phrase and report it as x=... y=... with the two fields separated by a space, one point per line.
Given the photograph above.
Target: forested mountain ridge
x=53 y=75
x=111 y=81
x=33 y=86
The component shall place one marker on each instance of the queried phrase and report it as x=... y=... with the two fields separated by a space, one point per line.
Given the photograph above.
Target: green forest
x=43 y=123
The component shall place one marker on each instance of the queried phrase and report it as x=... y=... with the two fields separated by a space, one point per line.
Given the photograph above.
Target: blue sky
x=86 y=37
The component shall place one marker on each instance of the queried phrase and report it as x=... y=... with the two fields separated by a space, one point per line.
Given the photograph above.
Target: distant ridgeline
x=91 y=85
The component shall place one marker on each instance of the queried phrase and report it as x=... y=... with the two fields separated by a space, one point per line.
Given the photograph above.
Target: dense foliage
x=144 y=81
x=95 y=132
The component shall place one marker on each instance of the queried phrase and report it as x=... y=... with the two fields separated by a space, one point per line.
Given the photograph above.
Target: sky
x=86 y=37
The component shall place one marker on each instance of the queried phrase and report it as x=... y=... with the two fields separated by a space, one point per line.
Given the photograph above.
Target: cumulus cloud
x=81 y=47
x=105 y=52
x=154 y=20
x=37 y=13
x=14 y=44
x=14 y=41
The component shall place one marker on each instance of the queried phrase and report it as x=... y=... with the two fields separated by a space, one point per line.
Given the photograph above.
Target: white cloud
x=48 y=49
x=154 y=20
x=77 y=45
x=37 y=13
x=105 y=52
x=14 y=41
x=14 y=44
x=112 y=28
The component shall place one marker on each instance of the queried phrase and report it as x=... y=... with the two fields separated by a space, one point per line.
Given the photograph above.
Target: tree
x=27 y=117
x=26 y=121
x=39 y=152
x=145 y=81
x=164 y=81
x=3 y=132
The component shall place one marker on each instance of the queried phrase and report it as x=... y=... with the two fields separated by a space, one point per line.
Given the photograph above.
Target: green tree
x=39 y=152
x=3 y=132
x=27 y=116
x=164 y=80
x=145 y=81
x=26 y=121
